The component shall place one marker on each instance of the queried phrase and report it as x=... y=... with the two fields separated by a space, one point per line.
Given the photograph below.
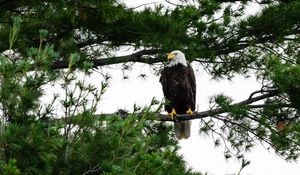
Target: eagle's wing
x=163 y=81
x=192 y=80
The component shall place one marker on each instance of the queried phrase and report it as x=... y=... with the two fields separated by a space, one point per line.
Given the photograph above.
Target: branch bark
x=216 y=111
x=149 y=56
x=198 y=115
x=139 y=56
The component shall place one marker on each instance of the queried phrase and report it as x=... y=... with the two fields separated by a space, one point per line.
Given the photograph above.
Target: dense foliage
x=40 y=38
x=37 y=140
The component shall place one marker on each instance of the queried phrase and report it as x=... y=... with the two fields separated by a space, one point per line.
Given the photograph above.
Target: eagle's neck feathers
x=176 y=62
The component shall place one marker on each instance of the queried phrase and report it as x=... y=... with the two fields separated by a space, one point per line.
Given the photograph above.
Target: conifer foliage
x=58 y=43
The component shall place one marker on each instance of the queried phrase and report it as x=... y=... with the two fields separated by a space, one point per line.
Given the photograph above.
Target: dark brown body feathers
x=179 y=88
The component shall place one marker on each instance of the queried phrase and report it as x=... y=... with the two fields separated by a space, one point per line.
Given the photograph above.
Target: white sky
x=199 y=152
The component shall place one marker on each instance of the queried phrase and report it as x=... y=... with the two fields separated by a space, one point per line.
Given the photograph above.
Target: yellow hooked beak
x=171 y=56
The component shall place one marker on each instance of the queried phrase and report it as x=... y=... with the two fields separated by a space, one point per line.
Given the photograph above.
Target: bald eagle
x=179 y=88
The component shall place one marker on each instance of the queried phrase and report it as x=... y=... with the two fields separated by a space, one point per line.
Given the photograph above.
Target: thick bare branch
x=208 y=113
x=203 y=114
x=140 y=56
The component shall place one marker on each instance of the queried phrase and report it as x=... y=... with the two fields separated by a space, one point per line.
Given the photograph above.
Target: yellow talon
x=189 y=111
x=172 y=114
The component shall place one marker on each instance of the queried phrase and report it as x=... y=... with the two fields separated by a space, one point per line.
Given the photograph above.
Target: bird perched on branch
x=179 y=88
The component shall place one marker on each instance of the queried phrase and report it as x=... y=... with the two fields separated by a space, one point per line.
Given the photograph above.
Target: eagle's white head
x=176 y=57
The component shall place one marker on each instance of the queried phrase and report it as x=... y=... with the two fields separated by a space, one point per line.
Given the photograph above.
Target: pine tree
x=50 y=42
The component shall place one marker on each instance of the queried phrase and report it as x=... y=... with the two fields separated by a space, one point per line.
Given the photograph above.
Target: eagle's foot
x=189 y=111
x=173 y=114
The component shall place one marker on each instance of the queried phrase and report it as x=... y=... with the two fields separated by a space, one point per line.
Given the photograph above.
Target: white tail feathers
x=182 y=129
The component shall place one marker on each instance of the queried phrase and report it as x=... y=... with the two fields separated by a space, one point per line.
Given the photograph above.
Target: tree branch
x=145 y=4
x=148 y=56
x=198 y=115
x=5 y=2
x=208 y=113
x=135 y=57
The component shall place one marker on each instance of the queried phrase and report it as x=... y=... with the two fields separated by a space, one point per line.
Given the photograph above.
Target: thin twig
x=150 y=3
